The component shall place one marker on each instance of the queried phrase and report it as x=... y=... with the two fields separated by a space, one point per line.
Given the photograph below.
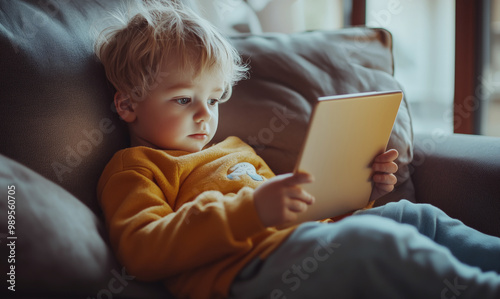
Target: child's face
x=180 y=113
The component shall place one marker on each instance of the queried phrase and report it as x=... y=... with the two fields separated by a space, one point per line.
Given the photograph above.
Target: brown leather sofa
x=59 y=129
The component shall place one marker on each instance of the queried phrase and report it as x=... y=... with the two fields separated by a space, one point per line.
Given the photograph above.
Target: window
x=490 y=124
x=424 y=46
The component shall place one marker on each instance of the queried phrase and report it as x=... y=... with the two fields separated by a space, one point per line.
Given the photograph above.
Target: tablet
x=345 y=134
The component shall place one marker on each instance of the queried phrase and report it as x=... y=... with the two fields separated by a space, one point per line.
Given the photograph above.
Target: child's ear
x=125 y=107
x=227 y=93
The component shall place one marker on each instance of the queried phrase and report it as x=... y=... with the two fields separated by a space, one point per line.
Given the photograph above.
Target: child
x=178 y=210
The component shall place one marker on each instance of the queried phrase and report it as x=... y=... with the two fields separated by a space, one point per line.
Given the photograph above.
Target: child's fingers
x=297 y=206
x=388 y=156
x=297 y=178
x=386 y=188
x=387 y=167
x=297 y=193
x=385 y=179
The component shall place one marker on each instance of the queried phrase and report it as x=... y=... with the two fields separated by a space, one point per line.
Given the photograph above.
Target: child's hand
x=384 y=168
x=280 y=199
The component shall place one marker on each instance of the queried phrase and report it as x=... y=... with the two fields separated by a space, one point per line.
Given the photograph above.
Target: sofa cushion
x=56 y=243
x=270 y=110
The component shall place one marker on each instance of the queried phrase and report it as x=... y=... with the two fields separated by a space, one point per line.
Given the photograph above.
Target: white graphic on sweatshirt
x=244 y=168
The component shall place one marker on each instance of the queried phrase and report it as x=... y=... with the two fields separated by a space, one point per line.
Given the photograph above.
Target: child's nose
x=202 y=113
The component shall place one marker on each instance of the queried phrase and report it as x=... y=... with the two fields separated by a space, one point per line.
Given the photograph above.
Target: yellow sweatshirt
x=187 y=218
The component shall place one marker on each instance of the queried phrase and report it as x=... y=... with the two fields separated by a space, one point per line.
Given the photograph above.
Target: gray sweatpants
x=400 y=250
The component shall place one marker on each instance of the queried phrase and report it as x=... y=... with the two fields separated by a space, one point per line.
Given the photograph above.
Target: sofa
x=59 y=129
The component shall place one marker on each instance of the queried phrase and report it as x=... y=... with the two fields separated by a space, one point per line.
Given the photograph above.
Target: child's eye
x=213 y=102
x=183 y=101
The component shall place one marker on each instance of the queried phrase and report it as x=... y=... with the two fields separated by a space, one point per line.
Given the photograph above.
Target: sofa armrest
x=461 y=175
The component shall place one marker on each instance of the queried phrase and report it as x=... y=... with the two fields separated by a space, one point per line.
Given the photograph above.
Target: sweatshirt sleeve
x=154 y=242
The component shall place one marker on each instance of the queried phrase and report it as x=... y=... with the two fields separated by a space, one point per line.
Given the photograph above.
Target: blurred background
x=446 y=52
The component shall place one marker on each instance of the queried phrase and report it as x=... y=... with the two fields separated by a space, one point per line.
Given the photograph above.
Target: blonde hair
x=134 y=52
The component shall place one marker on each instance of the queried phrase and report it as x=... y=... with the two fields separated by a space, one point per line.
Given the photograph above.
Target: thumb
x=297 y=178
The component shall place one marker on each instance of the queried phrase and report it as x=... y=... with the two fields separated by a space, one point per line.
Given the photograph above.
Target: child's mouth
x=199 y=136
